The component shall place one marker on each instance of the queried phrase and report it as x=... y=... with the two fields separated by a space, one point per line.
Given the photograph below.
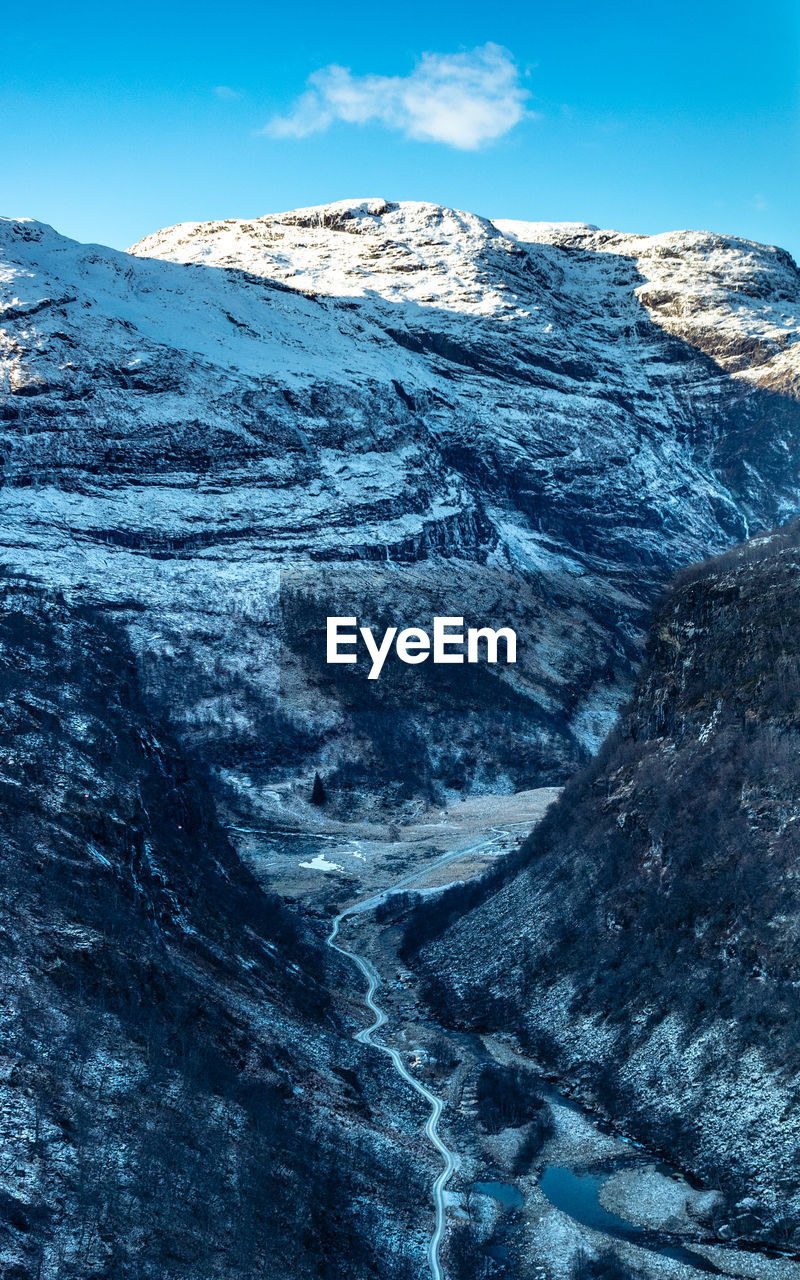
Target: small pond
x=578 y=1194
x=505 y=1193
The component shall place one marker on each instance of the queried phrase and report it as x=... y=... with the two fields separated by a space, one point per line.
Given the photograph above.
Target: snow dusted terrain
x=650 y=933
x=397 y=410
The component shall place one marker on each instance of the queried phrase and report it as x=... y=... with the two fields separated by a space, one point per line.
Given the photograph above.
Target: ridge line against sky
x=640 y=119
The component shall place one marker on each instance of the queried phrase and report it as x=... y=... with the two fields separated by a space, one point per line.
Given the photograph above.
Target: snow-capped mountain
x=239 y=427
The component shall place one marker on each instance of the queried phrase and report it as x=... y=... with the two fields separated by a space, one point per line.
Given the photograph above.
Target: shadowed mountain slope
x=646 y=947
x=174 y=1096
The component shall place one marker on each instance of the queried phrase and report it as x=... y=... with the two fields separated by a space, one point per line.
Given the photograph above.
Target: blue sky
x=644 y=117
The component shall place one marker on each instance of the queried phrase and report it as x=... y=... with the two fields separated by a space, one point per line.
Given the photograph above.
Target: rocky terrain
x=390 y=410
x=178 y=1090
x=209 y=444
x=650 y=932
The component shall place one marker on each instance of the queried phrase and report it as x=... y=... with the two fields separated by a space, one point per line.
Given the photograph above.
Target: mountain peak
x=376 y=405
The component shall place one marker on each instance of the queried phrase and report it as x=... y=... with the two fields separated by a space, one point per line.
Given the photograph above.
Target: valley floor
x=301 y=854
x=583 y=1203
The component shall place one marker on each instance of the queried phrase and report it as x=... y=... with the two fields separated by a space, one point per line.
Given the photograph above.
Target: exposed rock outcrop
x=176 y=1088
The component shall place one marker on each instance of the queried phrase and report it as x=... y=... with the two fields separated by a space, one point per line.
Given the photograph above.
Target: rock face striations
x=176 y=1088
x=650 y=942
x=389 y=410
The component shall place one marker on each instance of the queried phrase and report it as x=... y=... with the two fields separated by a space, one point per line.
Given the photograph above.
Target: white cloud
x=226 y=93
x=461 y=99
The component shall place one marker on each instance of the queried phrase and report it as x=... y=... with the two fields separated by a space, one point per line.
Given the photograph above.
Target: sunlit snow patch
x=321 y=863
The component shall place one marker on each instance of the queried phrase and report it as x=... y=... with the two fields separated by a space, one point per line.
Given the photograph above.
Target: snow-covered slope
x=400 y=409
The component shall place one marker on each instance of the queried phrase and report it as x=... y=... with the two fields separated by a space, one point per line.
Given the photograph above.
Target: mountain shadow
x=167 y=1092
x=649 y=927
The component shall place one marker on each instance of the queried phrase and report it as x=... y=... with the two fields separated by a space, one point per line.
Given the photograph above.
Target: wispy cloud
x=226 y=93
x=464 y=100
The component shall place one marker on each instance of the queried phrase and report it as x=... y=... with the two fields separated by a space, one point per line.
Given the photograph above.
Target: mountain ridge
x=386 y=404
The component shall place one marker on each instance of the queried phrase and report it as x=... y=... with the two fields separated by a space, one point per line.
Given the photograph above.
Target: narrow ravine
x=570 y=1183
x=367 y=1036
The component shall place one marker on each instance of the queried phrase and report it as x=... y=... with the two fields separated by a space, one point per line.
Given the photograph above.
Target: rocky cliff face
x=177 y=1094
x=389 y=409
x=650 y=941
